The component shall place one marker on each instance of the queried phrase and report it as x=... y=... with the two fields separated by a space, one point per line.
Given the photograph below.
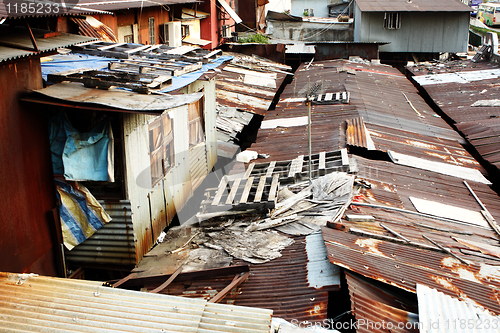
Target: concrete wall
x=419 y=32
x=311 y=31
x=320 y=7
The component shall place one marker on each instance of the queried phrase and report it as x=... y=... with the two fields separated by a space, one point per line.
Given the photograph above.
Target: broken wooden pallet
x=331 y=98
x=244 y=193
x=298 y=169
x=159 y=67
x=141 y=83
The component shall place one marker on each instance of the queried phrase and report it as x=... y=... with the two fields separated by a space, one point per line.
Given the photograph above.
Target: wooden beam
x=270 y=169
x=236 y=282
x=249 y=170
x=274 y=188
x=260 y=189
x=137 y=49
x=234 y=189
x=107 y=47
x=345 y=156
x=187 y=276
x=220 y=191
x=166 y=283
x=322 y=160
x=125 y=279
x=296 y=166
x=246 y=191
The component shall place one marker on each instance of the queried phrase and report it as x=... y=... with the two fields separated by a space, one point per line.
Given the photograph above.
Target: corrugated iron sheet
x=378 y=308
x=441 y=313
x=384 y=113
x=283 y=284
x=32 y=303
x=113 y=244
x=250 y=83
x=99 y=31
x=74 y=11
x=125 y=4
x=19 y=42
x=479 y=124
x=412 y=6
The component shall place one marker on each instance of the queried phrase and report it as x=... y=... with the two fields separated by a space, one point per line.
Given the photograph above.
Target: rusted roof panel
x=281 y=284
x=412 y=6
x=55 y=9
x=385 y=112
x=32 y=303
x=16 y=42
x=479 y=124
x=125 y=4
x=250 y=83
x=378 y=307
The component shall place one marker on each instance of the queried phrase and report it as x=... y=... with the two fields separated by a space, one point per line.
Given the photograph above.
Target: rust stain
x=371 y=246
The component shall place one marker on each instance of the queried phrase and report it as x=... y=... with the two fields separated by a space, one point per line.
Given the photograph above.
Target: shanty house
x=415 y=26
x=162 y=147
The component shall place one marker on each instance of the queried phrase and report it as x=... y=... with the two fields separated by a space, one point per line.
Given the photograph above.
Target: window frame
x=392 y=20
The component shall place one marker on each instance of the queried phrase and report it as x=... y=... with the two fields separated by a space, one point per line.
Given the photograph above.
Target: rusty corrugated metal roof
x=378 y=307
x=479 y=124
x=384 y=113
x=283 y=284
x=54 y=9
x=412 y=6
x=33 y=303
x=125 y=4
x=93 y=28
x=369 y=249
x=16 y=42
x=250 y=83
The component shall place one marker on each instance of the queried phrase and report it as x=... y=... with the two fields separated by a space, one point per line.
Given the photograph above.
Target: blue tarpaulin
x=82 y=156
x=80 y=213
x=73 y=61
x=186 y=79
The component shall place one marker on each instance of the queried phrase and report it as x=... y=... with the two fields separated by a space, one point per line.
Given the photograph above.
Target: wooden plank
x=211 y=54
x=125 y=279
x=137 y=49
x=246 y=191
x=337 y=96
x=166 y=283
x=220 y=191
x=236 y=282
x=270 y=169
x=260 y=189
x=274 y=188
x=234 y=189
x=345 y=156
x=89 y=43
x=328 y=96
x=322 y=160
x=107 y=47
x=296 y=166
x=249 y=170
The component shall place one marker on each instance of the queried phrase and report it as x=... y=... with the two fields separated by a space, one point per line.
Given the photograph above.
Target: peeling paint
x=370 y=245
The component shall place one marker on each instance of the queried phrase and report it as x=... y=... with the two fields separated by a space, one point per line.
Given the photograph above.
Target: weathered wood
x=246 y=191
x=274 y=188
x=166 y=283
x=296 y=166
x=137 y=49
x=107 y=47
x=322 y=160
x=234 y=189
x=345 y=156
x=270 y=169
x=260 y=189
x=236 y=282
x=249 y=170
x=220 y=191
x=125 y=279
